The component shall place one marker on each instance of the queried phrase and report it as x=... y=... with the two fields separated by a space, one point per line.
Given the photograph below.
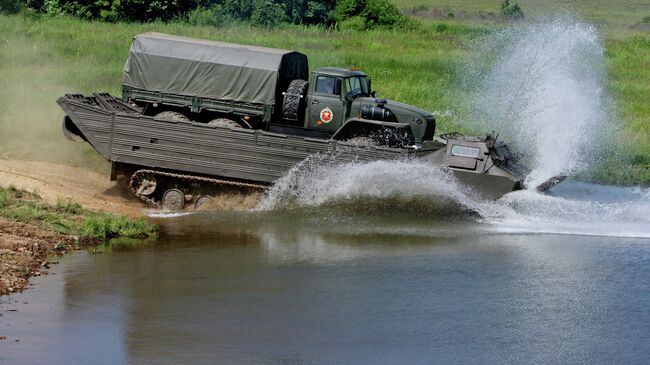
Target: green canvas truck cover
x=217 y=70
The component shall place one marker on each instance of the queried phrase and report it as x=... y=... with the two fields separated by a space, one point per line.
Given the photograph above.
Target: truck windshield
x=357 y=86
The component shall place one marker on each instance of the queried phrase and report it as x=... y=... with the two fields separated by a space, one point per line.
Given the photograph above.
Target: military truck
x=199 y=117
x=250 y=87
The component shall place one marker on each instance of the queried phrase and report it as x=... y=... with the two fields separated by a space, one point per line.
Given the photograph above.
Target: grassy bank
x=31 y=232
x=69 y=218
x=42 y=58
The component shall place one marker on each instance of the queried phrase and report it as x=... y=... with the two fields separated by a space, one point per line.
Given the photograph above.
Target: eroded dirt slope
x=53 y=181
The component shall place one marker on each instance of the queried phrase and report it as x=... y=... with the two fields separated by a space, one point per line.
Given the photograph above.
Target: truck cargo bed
x=122 y=134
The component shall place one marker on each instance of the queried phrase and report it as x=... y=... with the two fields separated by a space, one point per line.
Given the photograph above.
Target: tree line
x=352 y=14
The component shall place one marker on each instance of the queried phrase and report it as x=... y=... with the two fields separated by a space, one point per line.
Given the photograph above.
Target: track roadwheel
x=292 y=102
x=224 y=122
x=173 y=199
x=173 y=116
x=203 y=202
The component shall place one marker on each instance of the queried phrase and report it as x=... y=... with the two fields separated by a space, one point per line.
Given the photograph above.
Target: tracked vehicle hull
x=192 y=154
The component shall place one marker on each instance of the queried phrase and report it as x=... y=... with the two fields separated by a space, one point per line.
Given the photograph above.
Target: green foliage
x=104 y=225
x=6 y=198
x=267 y=13
x=369 y=14
x=10 y=6
x=210 y=17
x=353 y=24
x=68 y=217
x=646 y=20
x=317 y=12
x=512 y=11
x=114 y=10
x=68 y=206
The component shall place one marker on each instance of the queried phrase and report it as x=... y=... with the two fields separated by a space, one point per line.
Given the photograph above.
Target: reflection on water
x=321 y=288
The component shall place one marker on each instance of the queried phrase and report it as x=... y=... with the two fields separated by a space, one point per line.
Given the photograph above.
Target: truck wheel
x=292 y=102
x=173 y=116
x=224 y=123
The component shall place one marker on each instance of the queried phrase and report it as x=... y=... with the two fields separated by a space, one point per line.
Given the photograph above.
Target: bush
x=212 y=17
x=512 y=11
x=267 y=13
x=646 y=20
x=369 y=14
x=354 y=24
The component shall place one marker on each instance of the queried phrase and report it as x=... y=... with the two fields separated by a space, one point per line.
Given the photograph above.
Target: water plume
x=385 y=187
x=542 y=86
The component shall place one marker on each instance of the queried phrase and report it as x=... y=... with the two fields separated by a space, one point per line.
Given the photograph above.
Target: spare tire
x=224 y=123
x=292 y=104
x=173 y=116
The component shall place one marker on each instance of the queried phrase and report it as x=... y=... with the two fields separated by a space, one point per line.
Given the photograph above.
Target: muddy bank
x=24 y=250
x=33 y=229
x=54 y=182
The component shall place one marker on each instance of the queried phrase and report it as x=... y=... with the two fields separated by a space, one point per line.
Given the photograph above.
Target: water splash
x=397 y=187
x=541 y=85
x=577 y=208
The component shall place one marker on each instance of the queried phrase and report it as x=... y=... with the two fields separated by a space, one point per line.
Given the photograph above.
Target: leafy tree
x=268 y=13
x=112 y=10
x=204 y=12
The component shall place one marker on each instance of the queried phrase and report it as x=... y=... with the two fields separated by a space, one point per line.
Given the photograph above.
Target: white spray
x=543 y=88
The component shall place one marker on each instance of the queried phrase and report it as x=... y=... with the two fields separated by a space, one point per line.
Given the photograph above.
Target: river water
x=327 y=286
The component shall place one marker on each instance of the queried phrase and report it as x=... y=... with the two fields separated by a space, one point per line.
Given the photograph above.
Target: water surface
x=323 y=287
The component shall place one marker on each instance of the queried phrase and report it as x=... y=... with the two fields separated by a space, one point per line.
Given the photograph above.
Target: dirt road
x=53 y=181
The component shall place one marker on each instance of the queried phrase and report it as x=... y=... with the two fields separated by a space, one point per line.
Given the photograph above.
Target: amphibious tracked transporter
x=198 y=118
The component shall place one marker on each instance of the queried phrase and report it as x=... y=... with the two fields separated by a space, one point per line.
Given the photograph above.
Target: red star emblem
x=326 y=115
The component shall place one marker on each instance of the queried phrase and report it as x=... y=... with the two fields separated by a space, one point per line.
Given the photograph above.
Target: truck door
x=325 y=106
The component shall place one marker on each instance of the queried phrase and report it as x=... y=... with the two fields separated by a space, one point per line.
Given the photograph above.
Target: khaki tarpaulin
x=217 y=70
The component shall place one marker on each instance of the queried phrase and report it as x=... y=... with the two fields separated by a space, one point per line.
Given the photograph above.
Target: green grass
x=617 y=19
x=42 y=58
x=67 y=217
x=106 y=225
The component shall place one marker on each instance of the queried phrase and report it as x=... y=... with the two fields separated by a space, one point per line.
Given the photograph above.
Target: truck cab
x=337 y=96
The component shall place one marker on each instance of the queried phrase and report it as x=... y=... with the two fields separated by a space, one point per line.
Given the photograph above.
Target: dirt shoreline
x=25 y=247
x=24 y=250
x=52 y=182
